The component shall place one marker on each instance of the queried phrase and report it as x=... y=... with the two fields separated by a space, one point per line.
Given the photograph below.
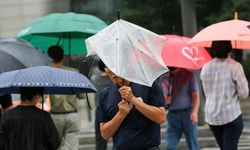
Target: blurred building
x=15 y=14
x=104 y=9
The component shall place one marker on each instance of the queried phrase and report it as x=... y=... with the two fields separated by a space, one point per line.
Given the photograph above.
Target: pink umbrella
x=177 y=53
x=235 y=31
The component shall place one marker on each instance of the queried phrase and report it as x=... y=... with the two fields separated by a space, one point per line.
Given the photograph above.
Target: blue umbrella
x=54 y=81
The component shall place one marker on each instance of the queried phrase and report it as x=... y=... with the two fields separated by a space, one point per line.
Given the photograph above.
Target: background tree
x=159 y=16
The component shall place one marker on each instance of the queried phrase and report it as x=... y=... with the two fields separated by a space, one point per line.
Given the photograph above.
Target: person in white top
x=224 y=83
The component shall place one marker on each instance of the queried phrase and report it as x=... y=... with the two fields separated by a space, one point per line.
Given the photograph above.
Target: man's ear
x=37 y=97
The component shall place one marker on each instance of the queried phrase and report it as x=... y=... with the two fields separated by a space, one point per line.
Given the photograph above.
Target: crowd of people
x=131 y=114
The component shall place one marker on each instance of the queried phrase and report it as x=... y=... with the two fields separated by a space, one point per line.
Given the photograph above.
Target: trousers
x=179 y=122
x=68 y=126
x=227 y=136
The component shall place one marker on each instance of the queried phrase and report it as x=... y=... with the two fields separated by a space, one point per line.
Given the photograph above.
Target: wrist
x=122 y=114
x=133 y=100
x=195 y=112
x=136 y=100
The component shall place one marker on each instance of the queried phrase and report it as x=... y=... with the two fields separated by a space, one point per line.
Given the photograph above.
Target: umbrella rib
x=151 y=53
x=3 y=51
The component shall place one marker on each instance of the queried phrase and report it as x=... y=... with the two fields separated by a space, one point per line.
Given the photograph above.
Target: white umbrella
x=130 y=51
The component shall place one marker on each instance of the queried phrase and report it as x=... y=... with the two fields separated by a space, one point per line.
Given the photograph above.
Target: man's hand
x=126 y=93
x=194 y=117
x=124 y=107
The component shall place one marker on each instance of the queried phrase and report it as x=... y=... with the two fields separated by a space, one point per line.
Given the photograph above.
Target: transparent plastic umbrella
x=130 y=51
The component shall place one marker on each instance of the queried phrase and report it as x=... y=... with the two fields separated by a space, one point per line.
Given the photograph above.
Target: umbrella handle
x=89 y=106
x=42 y=101
x=170 y=88
x=126 y=83
x=118 y=14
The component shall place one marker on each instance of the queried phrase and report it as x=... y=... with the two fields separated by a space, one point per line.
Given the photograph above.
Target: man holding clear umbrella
x=131 y=114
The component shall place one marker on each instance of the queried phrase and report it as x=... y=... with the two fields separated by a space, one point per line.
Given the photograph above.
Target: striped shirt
x=224 y=83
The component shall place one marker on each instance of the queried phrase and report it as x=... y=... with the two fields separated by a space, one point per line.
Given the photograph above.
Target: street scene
x=124 y=75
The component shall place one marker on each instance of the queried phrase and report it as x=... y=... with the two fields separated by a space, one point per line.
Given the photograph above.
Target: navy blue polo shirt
x=136 y=131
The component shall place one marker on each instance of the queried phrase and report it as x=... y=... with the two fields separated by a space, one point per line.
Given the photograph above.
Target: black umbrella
x=18 y=54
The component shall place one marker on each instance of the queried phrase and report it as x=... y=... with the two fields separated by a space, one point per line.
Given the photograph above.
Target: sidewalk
x=87 y=120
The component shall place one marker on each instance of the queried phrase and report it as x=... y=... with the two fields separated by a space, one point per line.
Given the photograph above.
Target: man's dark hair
x=56 y=53
x=5 y=100
x=172 y=68
x=101 y=65
x=221 y=48
x=28 y=93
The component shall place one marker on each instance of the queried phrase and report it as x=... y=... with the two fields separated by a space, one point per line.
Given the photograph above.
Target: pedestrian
x=101 y=80
x=64 y=108
x=6 y=102
x=224 y=84
x=27 y=127
x=181 y=91
x=131 y=114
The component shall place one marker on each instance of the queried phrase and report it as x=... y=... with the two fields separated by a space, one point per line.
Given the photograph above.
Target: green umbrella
x=68 y=30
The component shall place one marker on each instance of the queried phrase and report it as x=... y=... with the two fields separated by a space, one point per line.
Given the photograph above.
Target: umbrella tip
x=118 y=14
x=235 y=15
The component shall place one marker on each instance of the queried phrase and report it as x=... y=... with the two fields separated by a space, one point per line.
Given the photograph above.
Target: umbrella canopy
x=235 y=31
x=68 y=30
x=177 y=53
x=130 y=51
x=54 y=81
x=18 y=54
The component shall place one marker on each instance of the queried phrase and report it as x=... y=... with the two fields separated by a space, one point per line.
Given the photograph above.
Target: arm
x=241 y=82
x=2 y=137
x=196 y=105
x=52 y=137
x=156 y=114
x=108 y=129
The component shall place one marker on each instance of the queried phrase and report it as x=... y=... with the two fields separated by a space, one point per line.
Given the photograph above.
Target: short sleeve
x=194 y=83
x=157 y=97
x=102 y=113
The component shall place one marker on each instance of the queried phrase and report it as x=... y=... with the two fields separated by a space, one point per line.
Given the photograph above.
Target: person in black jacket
x=27 y=127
